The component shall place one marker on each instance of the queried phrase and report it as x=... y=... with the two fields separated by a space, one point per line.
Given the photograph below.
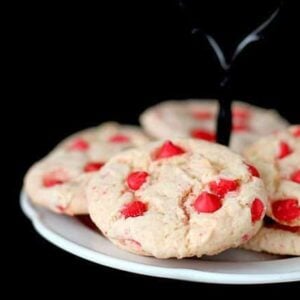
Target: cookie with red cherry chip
x=178 y=198
x=58 y=180
x=194 y=118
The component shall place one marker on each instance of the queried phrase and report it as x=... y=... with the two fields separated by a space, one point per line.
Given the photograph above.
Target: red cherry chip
x=134 y=209
x=254 y=172
x=168 y=149
x=119 y=138
x=296 y=176
x=203 y=135
x=257 y=210
x=223 y=186
x=296 y=133
x=49 y=182
x=93 y=166
x=207 y=203
x=284 y=150
x=240 y=127
x=54 y=178
x=240 y=113
x=136 y=179
x=79 y=144
x=203 y=115
x=286 y=210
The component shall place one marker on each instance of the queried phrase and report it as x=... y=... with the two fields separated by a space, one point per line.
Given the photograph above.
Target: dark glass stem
x=193 y=18
x=224 y=123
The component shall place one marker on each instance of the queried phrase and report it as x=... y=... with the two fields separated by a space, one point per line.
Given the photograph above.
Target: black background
x=77 y=66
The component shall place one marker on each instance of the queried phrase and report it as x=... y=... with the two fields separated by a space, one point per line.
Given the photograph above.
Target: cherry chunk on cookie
x=168 y=149
x=296 y=131
x=177 y=198
x=136 y=179
x=296 y=176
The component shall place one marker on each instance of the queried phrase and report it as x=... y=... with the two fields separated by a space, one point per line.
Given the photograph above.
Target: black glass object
x=242 y=21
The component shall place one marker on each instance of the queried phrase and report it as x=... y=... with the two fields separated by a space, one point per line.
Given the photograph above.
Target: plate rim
x=145 y=269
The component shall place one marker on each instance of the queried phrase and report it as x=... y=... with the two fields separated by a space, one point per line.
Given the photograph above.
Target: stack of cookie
x=183 y=195
x=277 y=157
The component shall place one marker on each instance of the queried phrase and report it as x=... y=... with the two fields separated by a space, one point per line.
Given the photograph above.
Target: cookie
x=197 y=119
x=276 y=239
x=57 y=181
x=277 y=158
x=178 y=198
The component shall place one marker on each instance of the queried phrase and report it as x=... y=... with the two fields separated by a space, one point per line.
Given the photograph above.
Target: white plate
x=230 y=267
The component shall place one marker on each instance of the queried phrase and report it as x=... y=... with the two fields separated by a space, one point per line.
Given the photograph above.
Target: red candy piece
x=284 y=150
x=240 y=113
x=49 y=182
x=203 y=115
x=257 y=210
x=134 y=209
x=207 y=203
x=79 y=145
x=203 y=135
x=119 y=138
x=286 y=210
x=254 y=172
x=240 y=127
x=296 y=133
x=168 y=149
x=296 y=176
x=223 y=186
x=136 y=179
x=53 y=178
x=93 y=166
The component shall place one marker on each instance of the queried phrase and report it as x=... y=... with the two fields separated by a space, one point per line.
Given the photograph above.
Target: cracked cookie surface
x=58 y=180
x=178 y=198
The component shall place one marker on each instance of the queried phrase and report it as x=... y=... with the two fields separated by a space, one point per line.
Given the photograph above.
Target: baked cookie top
x=178 y=198
x=197 y=119
x=58 y=180
x=277 y=157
